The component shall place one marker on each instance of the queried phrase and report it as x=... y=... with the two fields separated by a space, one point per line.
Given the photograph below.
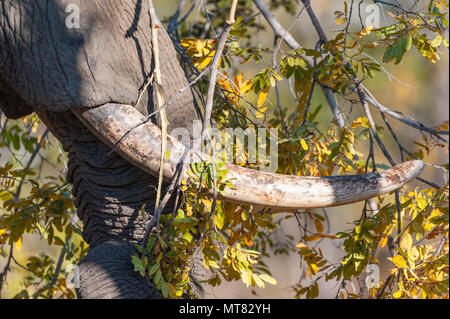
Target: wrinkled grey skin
x=50 y=69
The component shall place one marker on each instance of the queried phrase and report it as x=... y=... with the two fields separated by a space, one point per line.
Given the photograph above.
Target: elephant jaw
x=127 y=131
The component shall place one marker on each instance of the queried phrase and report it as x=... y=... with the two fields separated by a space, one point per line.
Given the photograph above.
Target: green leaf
x=143 y=210
x=398 y=49
x=138 y=265
x=211 y=252
x=6 y=195
x=153 y=270
x=165 y=290
x=158 y=279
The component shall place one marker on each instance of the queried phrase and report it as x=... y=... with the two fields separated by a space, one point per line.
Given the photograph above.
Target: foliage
x=209 y=226
x=308 y=148
x=33 y=208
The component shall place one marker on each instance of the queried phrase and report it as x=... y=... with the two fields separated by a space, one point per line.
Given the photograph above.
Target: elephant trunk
x=109 y=195
x=107 y=273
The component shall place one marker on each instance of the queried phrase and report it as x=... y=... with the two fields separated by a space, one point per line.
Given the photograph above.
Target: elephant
x=84 y=83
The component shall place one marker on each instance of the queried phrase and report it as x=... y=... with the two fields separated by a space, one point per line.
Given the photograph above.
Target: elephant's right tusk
x=120 y=127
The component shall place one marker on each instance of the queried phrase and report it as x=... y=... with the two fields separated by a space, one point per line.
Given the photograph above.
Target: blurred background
x=415 y=87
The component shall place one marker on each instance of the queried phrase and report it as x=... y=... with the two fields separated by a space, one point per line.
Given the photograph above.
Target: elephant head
x=84 y=82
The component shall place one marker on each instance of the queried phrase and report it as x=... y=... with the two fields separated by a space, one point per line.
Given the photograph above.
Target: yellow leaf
x=413 y=254
x=268 y=279
x=273 y=82
x=305 y=147
x=246 y=86
x=311 y=238
x=361 y=121
x=319 y=226
x=423 y=294
x=397 y=294
x=365 y=31
x=384 y=241
x=301 y=246
x=258 y=281
x=263 y=97
x=19 y=244
x=35 y=128
x=263 y=110
x=414 y=275
x=341 y=20
x=208 y=203
x=247 y=278
x=200 y=51
x=406 y=242
x=199 y=45
x=224 y=83
x=238 y=78
x=2 y=231
x=399 y=261
x=314 y=268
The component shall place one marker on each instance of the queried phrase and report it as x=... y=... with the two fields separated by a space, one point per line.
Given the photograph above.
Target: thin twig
x=277 y=89
x=159 y=98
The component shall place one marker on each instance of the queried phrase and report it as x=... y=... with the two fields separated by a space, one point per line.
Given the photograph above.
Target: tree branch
x=291 y=42
x=214 y=69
